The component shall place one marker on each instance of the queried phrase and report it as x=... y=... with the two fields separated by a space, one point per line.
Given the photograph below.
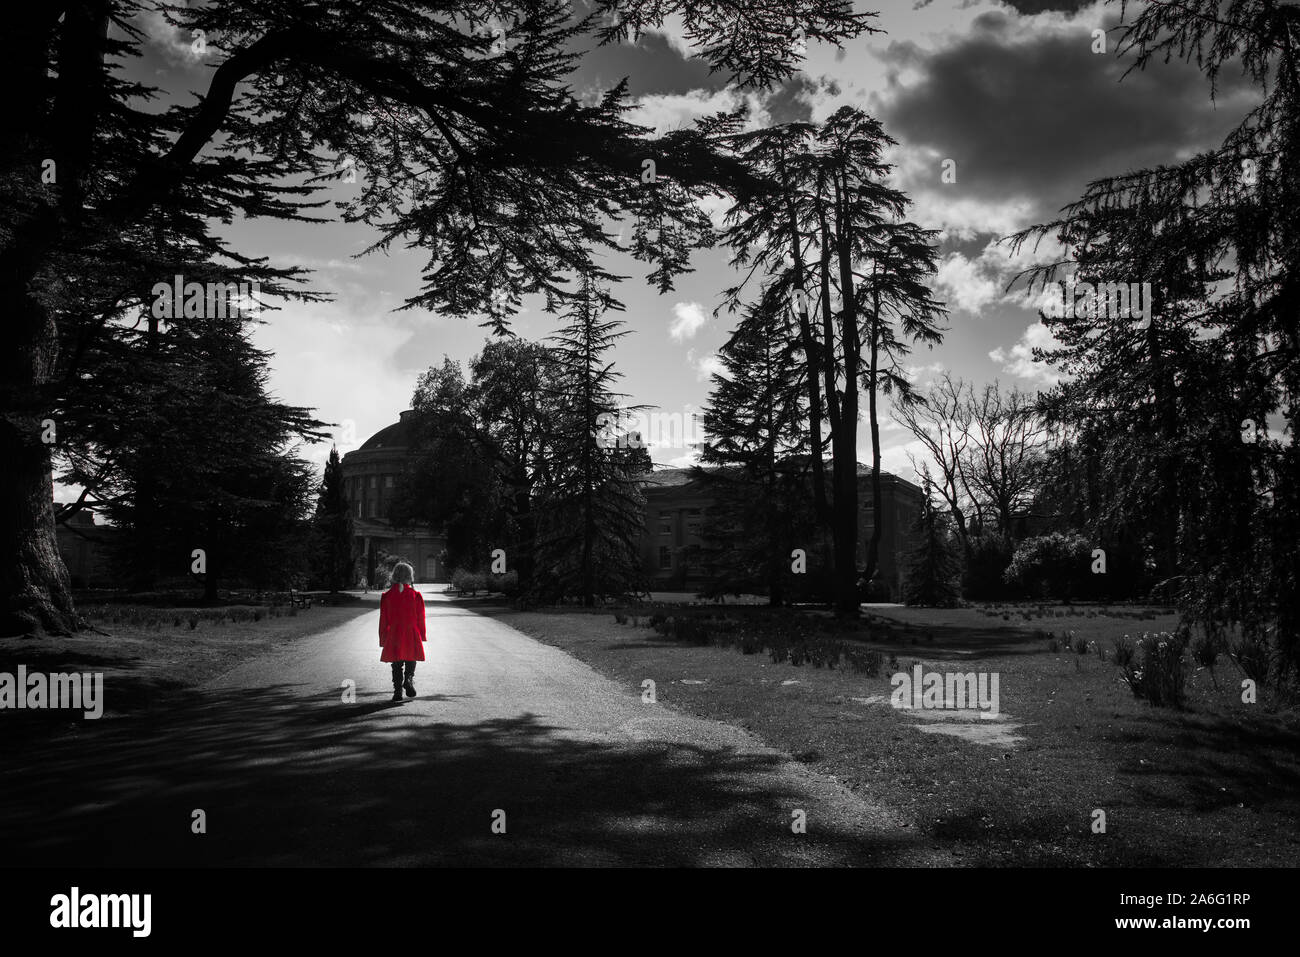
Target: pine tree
x=1172 y=414
x=591 y=510
x=933 y=577
x=755 y=460
x=230 y=483
x=333 y=528
x=829 y=233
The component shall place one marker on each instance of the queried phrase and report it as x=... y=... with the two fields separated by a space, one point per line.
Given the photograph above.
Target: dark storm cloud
x=1039 y=118
x=1039 y=6
x=792 y=103
x=651 y=66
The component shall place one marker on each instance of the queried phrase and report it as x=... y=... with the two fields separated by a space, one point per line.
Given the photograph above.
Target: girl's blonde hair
x=403 y=574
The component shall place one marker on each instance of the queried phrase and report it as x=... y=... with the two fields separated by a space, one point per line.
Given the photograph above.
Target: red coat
x=401 y=623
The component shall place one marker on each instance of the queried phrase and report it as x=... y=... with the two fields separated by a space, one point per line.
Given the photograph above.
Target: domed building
x=370 y=475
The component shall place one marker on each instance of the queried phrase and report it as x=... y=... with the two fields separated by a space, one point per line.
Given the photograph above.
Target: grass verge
x=1214 y=784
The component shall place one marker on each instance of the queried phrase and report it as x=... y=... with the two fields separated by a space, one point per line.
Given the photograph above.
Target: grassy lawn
x=1215 y=784
x=149 y=654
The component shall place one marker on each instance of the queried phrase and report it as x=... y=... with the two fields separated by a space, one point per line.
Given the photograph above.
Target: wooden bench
x=298 y=599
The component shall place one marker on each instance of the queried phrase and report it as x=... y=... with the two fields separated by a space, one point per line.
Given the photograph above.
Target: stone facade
x=675 y=508
x=370 y=475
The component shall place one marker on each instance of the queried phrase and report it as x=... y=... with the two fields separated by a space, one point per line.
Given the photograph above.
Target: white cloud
x=665 y=112
x=1019 y=360
x=689 y=318
x=942 y=206
x=897 y=459
x=709 y=366
x=973 y=285
x=179 y=47
x=915 y=373
x=966 y=286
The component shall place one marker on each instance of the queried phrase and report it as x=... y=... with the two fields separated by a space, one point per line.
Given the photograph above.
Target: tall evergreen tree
x=333 y=529
x=830 y=233
x=755 y=459
x=229 y=482
x=1186 y=423
x=933 y=574
x=591 y=511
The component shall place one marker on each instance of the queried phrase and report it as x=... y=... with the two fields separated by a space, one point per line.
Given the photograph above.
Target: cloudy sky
x=1013 y=92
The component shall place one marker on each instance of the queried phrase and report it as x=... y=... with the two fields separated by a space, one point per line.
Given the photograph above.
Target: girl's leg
x=409 y=684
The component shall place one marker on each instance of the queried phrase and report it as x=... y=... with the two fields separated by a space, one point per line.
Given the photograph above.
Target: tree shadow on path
x=285 y=777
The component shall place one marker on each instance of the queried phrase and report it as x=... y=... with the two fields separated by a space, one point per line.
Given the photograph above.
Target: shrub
x=467 y=582
x=507 y=583
x=867 y=662
x=1159 y=675
x=1251 y=654
x=1124 y=651
x=1206 y=647
x=1050 y=566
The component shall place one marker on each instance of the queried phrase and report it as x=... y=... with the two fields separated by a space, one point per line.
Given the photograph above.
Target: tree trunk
x=38 y=596
x=877 y=498
x=845 y=443
x=37 y=592
x=812 y=360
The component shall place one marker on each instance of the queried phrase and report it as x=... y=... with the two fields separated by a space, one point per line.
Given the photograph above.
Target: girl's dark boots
x=397 y=681
x=409 y=684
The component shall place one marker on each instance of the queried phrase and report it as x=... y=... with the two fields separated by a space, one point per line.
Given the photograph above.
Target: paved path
x=289 y=774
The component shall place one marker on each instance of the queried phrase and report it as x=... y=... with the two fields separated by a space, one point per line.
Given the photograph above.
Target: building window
x=388 y=481
x=374 y=508
x=665 y=557
x=693 y=521
x=374 y=481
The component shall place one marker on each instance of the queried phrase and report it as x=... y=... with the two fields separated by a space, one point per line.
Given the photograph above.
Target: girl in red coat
x=401 y=629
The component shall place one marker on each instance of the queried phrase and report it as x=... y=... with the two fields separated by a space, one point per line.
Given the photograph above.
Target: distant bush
x=1050 y=566
x=506 y=582
x=468 y=582
x=986 y=564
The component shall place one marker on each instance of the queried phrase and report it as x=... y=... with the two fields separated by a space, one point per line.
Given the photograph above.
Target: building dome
x=399 y=435
x=370 y=481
